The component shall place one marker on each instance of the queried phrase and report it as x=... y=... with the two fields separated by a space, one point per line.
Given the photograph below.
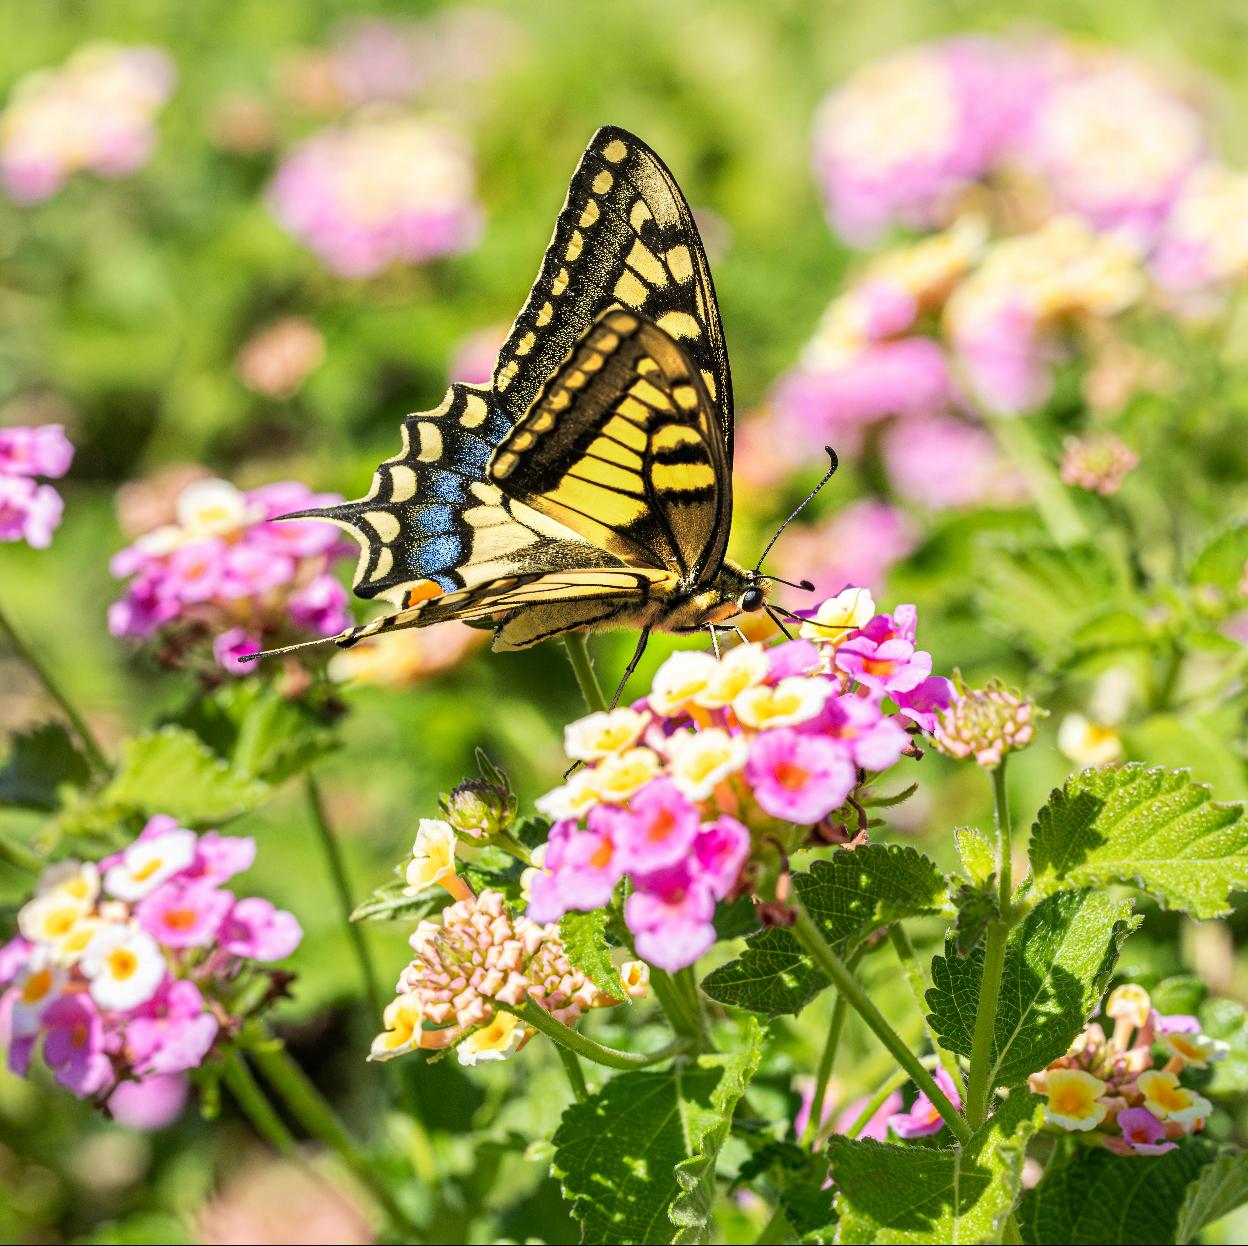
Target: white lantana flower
x=208 y=508
x=602 y=734
x=839 y=617
x=125 y=966
x=740 y=668
x=497 y=1040
x=792 y=700
x=679 y=680
x=37 y=986
x=619 y=776
x=146 y=864
x=700 y=760
x=433 y=859
x=577 y=796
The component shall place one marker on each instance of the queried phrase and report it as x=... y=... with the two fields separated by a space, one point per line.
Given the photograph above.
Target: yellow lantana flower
x=433 y=859
x=1073 y=1099
x=1168 y=1101
x=402 y=1019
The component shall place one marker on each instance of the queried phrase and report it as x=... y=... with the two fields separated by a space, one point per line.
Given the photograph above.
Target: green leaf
x=978 y=856
x=1219 y=567
x=1153 y=829
x=890 y=1193
x=1104 y=1198
x=794 y=1177
x=1043 y=595
x=1217 y=1191
x=1058 y=962
x=637 y=1159
x=1205 y=744
x=173 y=771
x=849 y=895
x=976 y=906
x=392 y=903
x=41 y=760
x=260 y=733
x=585 y=938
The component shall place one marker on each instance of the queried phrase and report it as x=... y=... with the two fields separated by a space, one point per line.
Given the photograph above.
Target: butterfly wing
x=622 y=447
x=625 y=238
x=529 y=608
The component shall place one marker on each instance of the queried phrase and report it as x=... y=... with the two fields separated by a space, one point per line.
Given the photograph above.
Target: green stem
x=827 y=1059
x=576 y=1075
x=873 y=1105
x=27 y=656
x=683 y=1016
x=1017 y=438
x=342 y=888
x=576 y=1042
x=982 y=1073
x=835 y=969
x=20 y=857
x=583 y=668
x=255 y=1107
x=309 y=1107
x=686 y=980
x=1169 y=679
x=918 y=988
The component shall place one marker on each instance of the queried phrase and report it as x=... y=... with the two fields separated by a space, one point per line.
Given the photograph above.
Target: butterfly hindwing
x=625 y=238
x=622 y=447
x=431 y=522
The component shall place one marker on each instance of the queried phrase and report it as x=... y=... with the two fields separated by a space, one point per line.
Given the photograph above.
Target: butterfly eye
x=751 y=600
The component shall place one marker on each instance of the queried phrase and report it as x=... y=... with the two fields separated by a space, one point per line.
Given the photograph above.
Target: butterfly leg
x=642 y=641
x=710 y=627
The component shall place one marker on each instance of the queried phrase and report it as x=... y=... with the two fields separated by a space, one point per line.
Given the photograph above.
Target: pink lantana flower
x=922 y=703
x=799 y=777
x=42 y=450
x=670 y=916
x=29 y=511
x=655 y=830
x=874 y=740
x=184 y=913
x=73 y=1045
x=174 y=1032
x=719 y=852
x=150 y=1103
x=1144 y=1132
x=582 y=868
x=256 y=929
x=884 y=659
x=922 y=1120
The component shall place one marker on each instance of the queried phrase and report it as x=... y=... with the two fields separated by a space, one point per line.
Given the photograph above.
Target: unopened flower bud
x=986 y=723
x=480 y=809
x=1099 y=463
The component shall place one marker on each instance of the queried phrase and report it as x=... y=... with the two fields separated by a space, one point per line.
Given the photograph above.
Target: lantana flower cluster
x=1109 y=1087
x=134 y=969
x=31 y=511
x=678 y=790
x=95 y=113
x=383 y=188
x=222 y=569
x=477 y=956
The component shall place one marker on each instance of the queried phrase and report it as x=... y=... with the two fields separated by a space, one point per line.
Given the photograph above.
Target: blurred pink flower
x=43 y=450
x=29 y=511
x=173 y=1033
x=73 y=1044
x=940 y=461
x=277 y=359
x=905 y=133
x=258 y=930
x=474 y=356
x=383 y=189
x=149 y=1103
x=184 y=913
x=857 y=545
x=922 y=1120
x=95 y=113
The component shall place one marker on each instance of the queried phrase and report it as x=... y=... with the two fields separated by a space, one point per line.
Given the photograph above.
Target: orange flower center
x=791 y=777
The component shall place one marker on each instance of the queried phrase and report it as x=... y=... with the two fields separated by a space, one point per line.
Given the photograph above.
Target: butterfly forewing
x=622 y=446
x=625 y=238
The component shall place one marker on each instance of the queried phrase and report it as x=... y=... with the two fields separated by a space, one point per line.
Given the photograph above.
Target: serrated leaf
x=1104 y=1198
x=849 y=895
x=584 y=936
x=173 y=771
x=40 y=761
x=1218 y=1189
x=976 y=906
x=1220 y=565
x=1058 y=962
x=978 y=856
x=1152 y=829
x=645 y=1145
x=796 y=1178
x=1042 y=595
x=257 y=731
x=890 y=1193
x=393 y=903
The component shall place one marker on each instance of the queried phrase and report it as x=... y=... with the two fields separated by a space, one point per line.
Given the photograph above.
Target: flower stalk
x=979 y=1086
x=28 y=657
x=581 y=1045
x=583 y=668
x=835 y=969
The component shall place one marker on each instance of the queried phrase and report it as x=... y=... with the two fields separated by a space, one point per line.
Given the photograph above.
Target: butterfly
x=589 y=485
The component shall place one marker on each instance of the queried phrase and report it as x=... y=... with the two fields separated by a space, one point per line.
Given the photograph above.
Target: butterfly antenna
x=810 y=497
x=277 y=653
x=806 y=586
x=779 y=622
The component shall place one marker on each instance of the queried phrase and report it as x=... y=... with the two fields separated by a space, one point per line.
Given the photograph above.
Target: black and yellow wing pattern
x=596 y=467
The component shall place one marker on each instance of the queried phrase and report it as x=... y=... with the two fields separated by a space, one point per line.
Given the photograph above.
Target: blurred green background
x=123 y=307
